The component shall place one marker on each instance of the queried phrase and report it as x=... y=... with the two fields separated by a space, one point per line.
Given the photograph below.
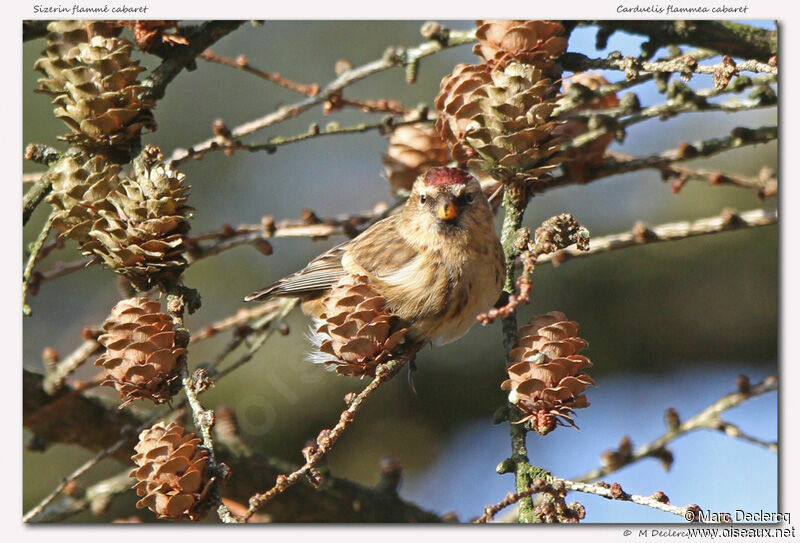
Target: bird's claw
x=412 y=369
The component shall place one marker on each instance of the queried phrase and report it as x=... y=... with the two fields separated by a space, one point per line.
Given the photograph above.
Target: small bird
x=438 y=262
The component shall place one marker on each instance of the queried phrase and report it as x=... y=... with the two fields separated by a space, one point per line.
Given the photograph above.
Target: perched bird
x=438 y=262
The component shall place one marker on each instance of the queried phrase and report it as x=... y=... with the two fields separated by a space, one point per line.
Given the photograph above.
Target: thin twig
x=229 y=145
x=204 y=421
x=633 y=67
x=708 y=418
x=177 y=58
x=54 y=380
x=731 y=430
x=327 y=438
x=728 y=37
x=614 y=492
x=569 y=102
x=391 y=59
x=179 y=298
x=28 y=178
x=262 y=334
x=765 y=183
x=243 y=316
x=511 y=498
x=643 y=235
x=60 y=269
x=739 y=137
x=515 y=200
x=664 y=111
x=556 y=233
x=243 y=64
x=97 y=497
x=309 y=225
x=41 y=154
x=32 y=259
x=36 y=510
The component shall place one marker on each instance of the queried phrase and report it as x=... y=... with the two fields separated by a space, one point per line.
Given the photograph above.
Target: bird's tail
x=265 y=293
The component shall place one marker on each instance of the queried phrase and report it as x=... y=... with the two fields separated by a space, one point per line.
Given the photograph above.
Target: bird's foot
x=412 y=369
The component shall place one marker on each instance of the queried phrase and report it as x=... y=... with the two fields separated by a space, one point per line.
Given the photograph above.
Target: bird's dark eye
x=469 y=197
x=422 y=198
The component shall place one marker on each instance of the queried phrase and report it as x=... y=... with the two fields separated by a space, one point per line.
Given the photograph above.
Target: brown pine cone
x=580 y=160
x=81 y=186
x=171 y=472
x=544 y=381
x=141 y=356
x=456 y=104
x=94 y=81
x=499 y=121
x=355 y=332
x=537 y=43
x=413 y=149
x=142 y=237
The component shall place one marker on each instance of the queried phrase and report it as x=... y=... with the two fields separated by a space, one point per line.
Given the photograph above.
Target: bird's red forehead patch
x=446 y=176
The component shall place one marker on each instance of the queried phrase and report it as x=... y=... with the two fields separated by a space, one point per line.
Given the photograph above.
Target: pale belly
x=442 y=302
x=467 y=297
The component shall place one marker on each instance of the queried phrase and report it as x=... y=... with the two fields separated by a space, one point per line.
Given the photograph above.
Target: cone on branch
x=579 y=161
x=81 y=186
x=499 y=121
x=356 y=332
x=89 y=71
x=536 y=43
x=136 y=225
x=141 y=356
x=545 y=380
x=413 y=149
x=171 y=473
x=456 y=105
x=142 y=237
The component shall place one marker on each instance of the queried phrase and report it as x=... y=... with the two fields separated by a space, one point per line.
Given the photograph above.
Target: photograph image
x=402 y=271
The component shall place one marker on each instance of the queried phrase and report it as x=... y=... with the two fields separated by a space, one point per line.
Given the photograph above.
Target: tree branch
x=727 y=37
x=616 y=165
x=708 y=418
x=614 y=492
x=241 y=63
x=75 y=419
x=179 y=57
x=634 y=67
x=326 y=439
x=391 y=58
x=32 y=259
x=642 y=235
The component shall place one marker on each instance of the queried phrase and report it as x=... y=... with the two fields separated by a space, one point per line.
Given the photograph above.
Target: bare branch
x=614 y=492
x=326 y=438
x=54 y=380
x=706 y=419
x=727 y=37
x=179 y=57
x=75 y=419
x=635 y=67
x=739 y=137
x=31 y=515
x=391 y=58
x=32 y=259
x=241 y=63
x=229 y=146
x=642 y=235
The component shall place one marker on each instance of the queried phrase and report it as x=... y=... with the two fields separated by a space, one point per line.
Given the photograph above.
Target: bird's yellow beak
x=447 y=210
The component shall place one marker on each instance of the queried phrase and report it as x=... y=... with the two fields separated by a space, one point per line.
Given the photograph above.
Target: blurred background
x=669 y=325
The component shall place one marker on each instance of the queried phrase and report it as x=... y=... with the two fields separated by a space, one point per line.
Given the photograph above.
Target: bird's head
x=448 y=198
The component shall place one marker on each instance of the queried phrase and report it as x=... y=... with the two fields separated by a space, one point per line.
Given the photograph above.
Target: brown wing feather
x=321 y=273
x=381 y=250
